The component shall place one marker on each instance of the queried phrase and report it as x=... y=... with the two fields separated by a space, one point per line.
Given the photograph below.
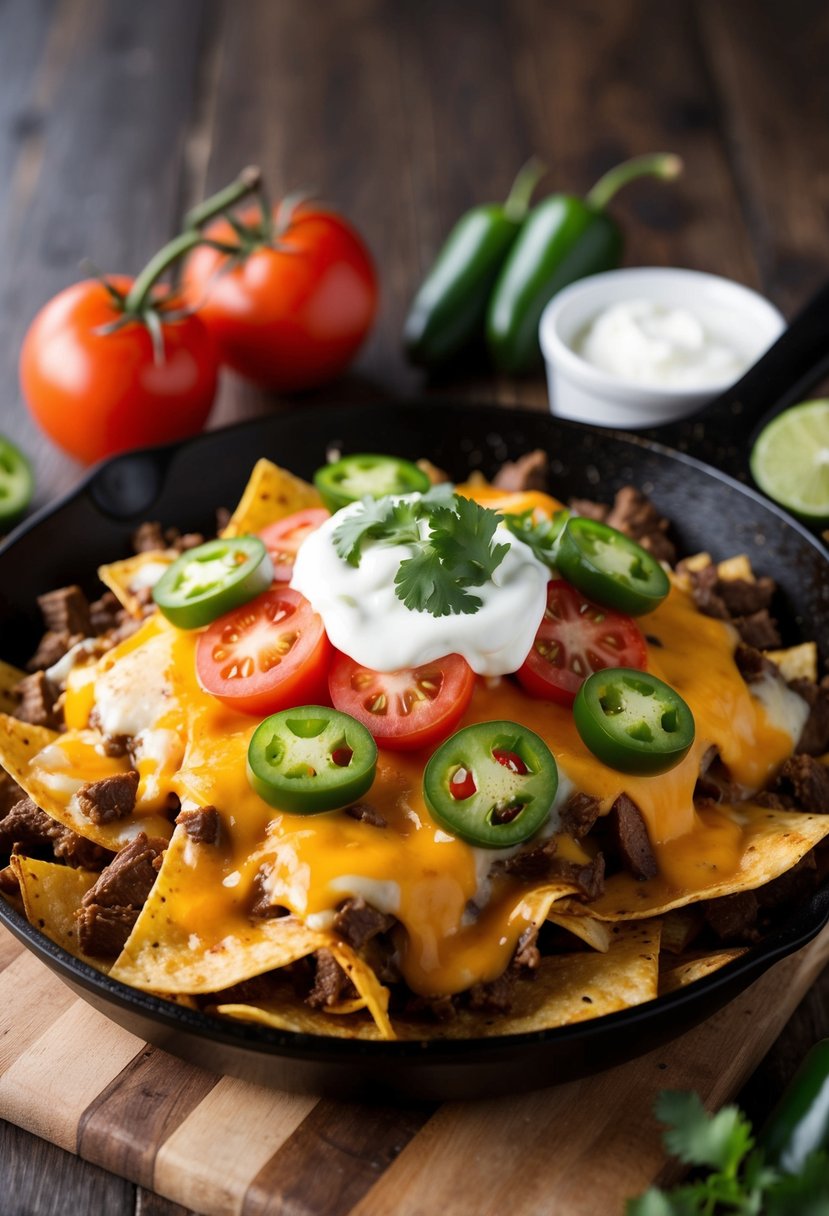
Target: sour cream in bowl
x=638 y=347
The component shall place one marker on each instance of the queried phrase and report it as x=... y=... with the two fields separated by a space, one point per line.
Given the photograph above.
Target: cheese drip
x=454 y=930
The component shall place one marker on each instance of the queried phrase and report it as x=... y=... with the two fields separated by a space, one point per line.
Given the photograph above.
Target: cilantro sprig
x=540 y=535
x=740 y=1182
x=456 y=550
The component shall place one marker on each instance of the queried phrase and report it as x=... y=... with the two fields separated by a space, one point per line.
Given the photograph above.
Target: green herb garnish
x=457 y=551
x=539 y=535
x=740 y=1182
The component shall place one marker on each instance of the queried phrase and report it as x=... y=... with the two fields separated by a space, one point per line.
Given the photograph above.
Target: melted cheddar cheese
x=458 y=923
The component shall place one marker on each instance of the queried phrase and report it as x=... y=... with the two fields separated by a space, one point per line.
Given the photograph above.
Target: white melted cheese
x=148 y=575
x=58 y=673
x=785 y=709
x=364 y=618
x=135 y=693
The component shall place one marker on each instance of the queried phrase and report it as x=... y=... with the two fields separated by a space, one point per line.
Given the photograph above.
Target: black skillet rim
x=802 y=927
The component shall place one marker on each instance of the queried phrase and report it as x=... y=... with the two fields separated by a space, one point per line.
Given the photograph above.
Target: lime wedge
x=790 y=460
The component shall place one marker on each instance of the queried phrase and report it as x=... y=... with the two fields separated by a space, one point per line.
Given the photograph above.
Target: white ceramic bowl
x=582 y=392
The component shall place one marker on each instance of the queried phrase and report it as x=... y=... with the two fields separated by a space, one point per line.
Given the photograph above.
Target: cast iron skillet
x=183 y=484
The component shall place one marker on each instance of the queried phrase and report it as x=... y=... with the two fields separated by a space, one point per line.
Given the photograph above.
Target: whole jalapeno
x=449 y=309
x=564 y=238
x=799 y=1124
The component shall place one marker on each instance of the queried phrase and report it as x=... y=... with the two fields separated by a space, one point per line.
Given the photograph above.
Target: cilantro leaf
x=658 y=1203
x=697 y=1138
x=539 y=535
x=462 y=536
x=378 y=519
x=425 y=584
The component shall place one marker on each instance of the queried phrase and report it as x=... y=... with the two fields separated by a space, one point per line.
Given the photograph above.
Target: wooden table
x=114 y=117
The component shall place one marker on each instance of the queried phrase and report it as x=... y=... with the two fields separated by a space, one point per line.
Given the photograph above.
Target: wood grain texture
x=114 y=118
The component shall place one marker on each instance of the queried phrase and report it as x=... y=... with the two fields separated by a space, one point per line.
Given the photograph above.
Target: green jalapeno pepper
x=212 y=579
x=449 y=309
x=632 y=721
x=609 y=567
x=799 y=1124
x=492 y=784
x=564 y=238
x=354 y=477
x=311 y=759
x=16 y=483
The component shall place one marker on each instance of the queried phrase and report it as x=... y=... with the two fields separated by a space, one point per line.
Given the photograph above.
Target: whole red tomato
x=292 y=311
x=98 y=393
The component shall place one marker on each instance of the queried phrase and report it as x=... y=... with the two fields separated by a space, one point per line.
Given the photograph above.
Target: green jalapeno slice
x=16 y=483
x=609 y=567
x=212 y=579
x=311 y=759
x=354 y=477
x=492 y=784
x=632 y=721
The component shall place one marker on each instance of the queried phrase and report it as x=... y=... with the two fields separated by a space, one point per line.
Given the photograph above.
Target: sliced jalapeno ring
x=632 y=721
x=16 y=483
x=353 y=477
x=212 y=579
x=492 y=784
x=610 y=568
x=311 y=759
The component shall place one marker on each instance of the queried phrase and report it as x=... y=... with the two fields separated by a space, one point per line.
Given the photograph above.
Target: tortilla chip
x=166 y=952
x=566 y=989
x=20 y=742
x=688 y=970
x=374 y=994
x=595 y=933
x=774 y=841
x=52 y=895
x=289 y=1013
x=10 y=677
x=271 y=494
x=796 y=662
x=121 y=577
x=734 y=568
x=679 y=928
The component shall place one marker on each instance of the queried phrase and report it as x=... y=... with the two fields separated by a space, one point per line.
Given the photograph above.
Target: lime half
x=790 y=460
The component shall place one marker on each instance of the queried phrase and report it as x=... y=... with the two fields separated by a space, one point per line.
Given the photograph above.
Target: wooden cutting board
x=223 y=1146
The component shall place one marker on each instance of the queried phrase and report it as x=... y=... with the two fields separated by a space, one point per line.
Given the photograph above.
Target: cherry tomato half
x=290 y=315
x=270 y=654
x=575 y=638
x=97 y=393
x=283 y=538
x=407 y=709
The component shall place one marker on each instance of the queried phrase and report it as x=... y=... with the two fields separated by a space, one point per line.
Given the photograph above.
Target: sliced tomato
x=407 y=709
x=575 y=638
x=283 y=538
x=270 y=654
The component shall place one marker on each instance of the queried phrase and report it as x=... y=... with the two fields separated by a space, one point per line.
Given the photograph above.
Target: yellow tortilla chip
x=10 y=677
x=52 y=895
x=374 y=994
x=271 y=494
x=688 y=970
x=734 y=568
x=289 y=1013
x=796 y=662
x=175 y=946
x=567 y=988
x=774 y=841
x=124 y=578
x=593 y=932
x=20 y=743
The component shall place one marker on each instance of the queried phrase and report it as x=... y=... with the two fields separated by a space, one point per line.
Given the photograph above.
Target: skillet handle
x=723 y=433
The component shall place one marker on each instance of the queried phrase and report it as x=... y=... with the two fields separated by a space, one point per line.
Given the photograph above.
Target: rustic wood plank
x=47 y=1088
x=147 y=1203
x=31 y=1002
x=775 y=99
x=97 y=174
x=39 y=1179
x=333 y=1158
x=233 y=1132
x=124 y=1127
x=614 y=1113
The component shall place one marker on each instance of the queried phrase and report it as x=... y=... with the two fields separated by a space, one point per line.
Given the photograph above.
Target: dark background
x=116 y=115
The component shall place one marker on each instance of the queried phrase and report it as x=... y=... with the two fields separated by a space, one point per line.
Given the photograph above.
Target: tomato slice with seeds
x=283 y=538
x=270 y=654
x=406 y=709
x=575 y=638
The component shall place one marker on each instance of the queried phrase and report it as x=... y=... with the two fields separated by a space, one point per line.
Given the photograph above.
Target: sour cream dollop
x=364 y=618
x=645 y=342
